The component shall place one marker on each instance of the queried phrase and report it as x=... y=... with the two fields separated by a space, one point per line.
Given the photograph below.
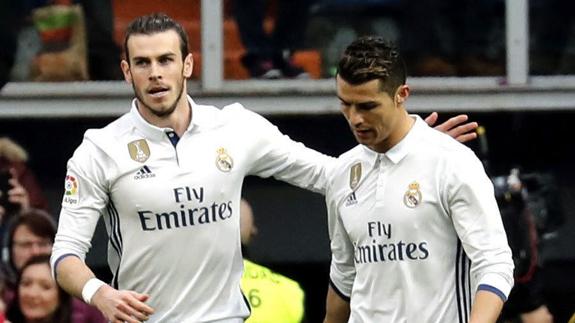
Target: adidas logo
x=144 y=172
x=351 y=199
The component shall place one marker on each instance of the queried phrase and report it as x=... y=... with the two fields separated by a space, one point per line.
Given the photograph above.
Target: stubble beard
x=159 y=113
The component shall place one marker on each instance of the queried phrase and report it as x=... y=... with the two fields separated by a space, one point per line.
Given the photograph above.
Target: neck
x=181 y=118
x=178 y=120
x=404 y=124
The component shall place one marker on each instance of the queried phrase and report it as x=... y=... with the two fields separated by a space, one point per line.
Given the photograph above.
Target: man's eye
x=367 y=107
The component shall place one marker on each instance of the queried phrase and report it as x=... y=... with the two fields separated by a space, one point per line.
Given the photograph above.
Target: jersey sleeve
x=85 y=197
x=275 y=154
x=342 y=268
x=476 y=218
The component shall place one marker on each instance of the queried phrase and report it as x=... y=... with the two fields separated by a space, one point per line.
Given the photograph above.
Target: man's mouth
x=362 y=133
x=158 y=91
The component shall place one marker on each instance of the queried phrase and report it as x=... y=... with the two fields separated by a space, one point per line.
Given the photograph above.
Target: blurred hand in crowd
x=17 y=195
x=2 y=304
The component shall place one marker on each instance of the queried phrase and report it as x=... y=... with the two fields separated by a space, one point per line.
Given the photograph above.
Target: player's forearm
x=72 y=274
x=337 y=309
x=486 y=307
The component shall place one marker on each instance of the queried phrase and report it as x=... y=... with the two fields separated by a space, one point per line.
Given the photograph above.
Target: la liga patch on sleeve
x=71 y=191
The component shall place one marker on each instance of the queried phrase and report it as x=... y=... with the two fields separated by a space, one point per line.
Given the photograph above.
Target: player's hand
x=122 y=306
x=455 y=127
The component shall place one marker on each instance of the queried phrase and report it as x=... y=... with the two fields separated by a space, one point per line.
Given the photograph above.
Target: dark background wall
x=292 y=223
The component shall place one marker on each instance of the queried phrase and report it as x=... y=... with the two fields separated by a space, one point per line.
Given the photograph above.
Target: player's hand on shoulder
x=122 y=305
x=457 y=127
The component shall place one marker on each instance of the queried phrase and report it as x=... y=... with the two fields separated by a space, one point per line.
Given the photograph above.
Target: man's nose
x=355 y=118
x=155 y=71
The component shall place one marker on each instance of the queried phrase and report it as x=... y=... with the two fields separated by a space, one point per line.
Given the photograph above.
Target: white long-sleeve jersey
x=415 y=232
x=172 y=210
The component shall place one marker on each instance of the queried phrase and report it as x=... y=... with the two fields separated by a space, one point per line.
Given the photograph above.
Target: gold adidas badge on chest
x=412 y=197
x=139 y=150
x=224 y=161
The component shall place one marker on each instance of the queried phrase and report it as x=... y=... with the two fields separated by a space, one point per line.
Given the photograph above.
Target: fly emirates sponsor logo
x=186 y=216
x=387 y=250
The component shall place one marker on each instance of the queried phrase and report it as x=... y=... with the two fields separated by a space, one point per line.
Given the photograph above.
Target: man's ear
x=401 y=94
x=188 y=65
x=126 y=70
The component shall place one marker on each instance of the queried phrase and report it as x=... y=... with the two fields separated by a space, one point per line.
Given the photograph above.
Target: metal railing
x=517 y=91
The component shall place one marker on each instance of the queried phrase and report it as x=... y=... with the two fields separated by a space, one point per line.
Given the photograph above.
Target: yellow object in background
x=273 y=298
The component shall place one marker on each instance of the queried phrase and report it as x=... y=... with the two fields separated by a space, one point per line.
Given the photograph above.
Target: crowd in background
x=29 y=292
x=439 y=38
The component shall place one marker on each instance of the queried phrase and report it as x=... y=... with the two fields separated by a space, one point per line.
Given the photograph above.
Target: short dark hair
x=369 y=58
x=156 y=23
x=39 y=222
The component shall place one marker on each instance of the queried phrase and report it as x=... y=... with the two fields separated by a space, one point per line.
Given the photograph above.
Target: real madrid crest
x=354 y=176
x=412 y=198
x=223 y=161
x=139 y=150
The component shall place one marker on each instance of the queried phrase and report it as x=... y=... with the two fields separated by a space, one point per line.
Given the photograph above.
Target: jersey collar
x=401 y=149
x=203 y=117
x=200 y=117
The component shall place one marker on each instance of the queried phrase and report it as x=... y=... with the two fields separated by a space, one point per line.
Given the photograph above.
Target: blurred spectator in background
x=269 y=56
x=2 y=304
x=19 y=188
x=31 y=234
x=38 y=297
x=449 y=38
x=336 y=23
x=26 y=56
x=272 y=297
x=103 y=53
x=11 y=13
x=523 y=203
